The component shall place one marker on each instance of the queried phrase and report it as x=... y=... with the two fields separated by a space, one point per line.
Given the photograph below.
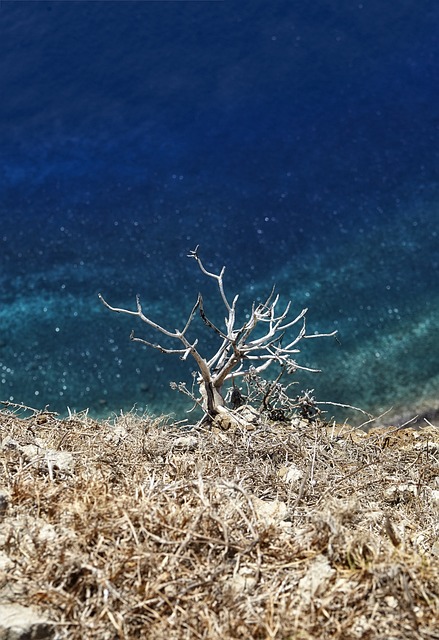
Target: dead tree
x=239 y=350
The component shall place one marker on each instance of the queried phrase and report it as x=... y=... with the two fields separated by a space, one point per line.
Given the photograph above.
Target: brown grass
x=293 y=530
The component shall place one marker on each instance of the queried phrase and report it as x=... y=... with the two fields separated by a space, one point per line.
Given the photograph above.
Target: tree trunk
x=212 y=398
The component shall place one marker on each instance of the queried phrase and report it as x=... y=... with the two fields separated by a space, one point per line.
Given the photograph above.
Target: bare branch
x=183 y=352
x=207 y=321
x=217 y=277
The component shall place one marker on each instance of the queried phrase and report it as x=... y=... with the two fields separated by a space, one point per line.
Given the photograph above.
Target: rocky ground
x=137 y=528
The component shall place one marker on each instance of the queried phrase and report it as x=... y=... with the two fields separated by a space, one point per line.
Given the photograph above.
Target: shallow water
x=296 y=145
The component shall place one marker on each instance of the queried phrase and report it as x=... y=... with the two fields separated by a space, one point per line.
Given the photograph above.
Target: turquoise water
x=295 y=145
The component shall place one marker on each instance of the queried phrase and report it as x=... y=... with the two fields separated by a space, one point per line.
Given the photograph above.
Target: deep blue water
x=296 y=144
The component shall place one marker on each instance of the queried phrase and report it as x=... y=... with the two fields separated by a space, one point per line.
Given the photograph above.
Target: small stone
x=290 y=474
x=248 y=413
x=62 y=460
x=5 y=562
x=243 y=418
x=244 y=581
x=402 y=493
x=315 y=579
x=299 y=423
x=23 y=623
x=270 y=511
x=47 y=532
x=186 y=442
x=117 y=434
x=10 y=443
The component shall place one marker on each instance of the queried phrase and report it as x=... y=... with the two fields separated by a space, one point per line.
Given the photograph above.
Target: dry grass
x=290 y=530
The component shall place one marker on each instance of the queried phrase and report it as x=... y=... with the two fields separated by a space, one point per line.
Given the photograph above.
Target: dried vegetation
x=135 y=528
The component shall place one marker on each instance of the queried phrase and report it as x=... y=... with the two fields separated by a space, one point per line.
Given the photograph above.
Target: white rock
x=38 y=453
x=318 y=574
x=5 y=562
x=391 y=602
x=244 y=581
x=271 y=511
x=22 y=623
x=299 y=423
x=290 y=473
x=62 y=460
x=248 y=413
x=186 y=442
x=401 y=492
x=10 y=443
x=117 y=434
x=47 y=532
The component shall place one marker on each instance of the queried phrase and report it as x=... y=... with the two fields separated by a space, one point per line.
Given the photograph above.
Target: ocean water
x=297 y=145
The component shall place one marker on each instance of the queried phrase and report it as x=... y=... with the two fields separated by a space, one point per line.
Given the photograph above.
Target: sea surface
x=296 y=143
